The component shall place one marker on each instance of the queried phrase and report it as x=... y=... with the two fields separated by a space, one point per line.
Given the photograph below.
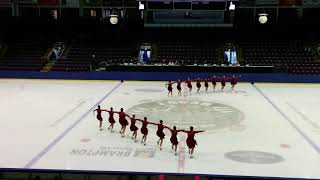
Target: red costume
x=223 y=81
x=214 y=81
x=133 y=126
x=206 y=84
x=189 y=84
x=173 y=138
x=144 y=129
x=99 y=117
x=122 y=119
x=111 y=119
x=233 y=81
x=198 y=84
x=191 y=142
x=170 y=87
x=160 y=133
x=179 y=85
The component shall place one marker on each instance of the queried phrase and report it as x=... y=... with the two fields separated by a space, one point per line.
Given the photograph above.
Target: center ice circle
x=203 y=115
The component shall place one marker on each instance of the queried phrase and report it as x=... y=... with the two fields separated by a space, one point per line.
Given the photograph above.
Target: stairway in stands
x=51 y=62
x=47 y=67
x=3 y=48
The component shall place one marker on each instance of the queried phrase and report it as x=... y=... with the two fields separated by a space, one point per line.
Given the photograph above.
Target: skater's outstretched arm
x=152 y=123
x=198 y=131
x=181 y=130
x=140 y=120
x=193 y=131
x=170 y=83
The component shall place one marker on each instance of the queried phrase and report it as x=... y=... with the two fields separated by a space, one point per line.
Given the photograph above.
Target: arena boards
x=261 y=130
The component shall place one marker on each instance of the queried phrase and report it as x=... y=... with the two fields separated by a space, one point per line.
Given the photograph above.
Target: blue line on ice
x=36 y=158
x=309 y=140
x=66 y=114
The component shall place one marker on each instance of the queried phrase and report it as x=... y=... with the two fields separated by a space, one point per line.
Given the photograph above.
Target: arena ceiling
x=134 y=3
x=246 y=11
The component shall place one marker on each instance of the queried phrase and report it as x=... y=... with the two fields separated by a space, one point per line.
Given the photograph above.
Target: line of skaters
x=191 y=142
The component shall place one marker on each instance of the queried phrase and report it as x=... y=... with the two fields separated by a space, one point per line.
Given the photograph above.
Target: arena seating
x=5 y=2
x=24 y=55
x=293 y=56
x=80 y=56
x=187 y=53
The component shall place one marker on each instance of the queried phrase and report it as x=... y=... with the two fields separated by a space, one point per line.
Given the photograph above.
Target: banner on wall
x=48 y=2
x=290 y=2
x=311 y=2
x=5 y=2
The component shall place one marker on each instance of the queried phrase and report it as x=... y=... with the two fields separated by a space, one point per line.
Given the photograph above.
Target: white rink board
x=267 y=130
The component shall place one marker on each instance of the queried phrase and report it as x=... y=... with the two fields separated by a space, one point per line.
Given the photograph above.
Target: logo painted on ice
x=209 y=116
x=144 y=153
x=103 y=151
x=254 y=157
x=119 y=152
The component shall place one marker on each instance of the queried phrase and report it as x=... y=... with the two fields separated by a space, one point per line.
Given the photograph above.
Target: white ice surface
x=33 y=113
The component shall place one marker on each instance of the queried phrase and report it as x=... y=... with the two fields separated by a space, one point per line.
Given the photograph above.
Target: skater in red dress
x=144 y=129
x=191 y=142
x=123 y=121
x=179 y=87
x=223 y=82
x=206 y=84
x=189 y=84
x=99 y=116
x=233 y=81
x=214 y=82
x=198 y=85
x=133 y=128
x=160 y=133
x=170 y=88
x=173 y=138
x=111 y=119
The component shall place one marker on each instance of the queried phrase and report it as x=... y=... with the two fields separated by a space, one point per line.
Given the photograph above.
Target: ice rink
x=269 y=130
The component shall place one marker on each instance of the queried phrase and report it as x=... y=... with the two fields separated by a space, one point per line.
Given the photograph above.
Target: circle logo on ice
x=209 y=116
x=254 y=157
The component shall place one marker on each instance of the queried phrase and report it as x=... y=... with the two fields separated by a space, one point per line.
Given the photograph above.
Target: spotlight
x=263 y=18
x=113 y=19
x=141 y=6
x=232 y=7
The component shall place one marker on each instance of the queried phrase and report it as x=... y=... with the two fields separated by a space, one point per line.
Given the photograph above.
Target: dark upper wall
x=94 y=28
